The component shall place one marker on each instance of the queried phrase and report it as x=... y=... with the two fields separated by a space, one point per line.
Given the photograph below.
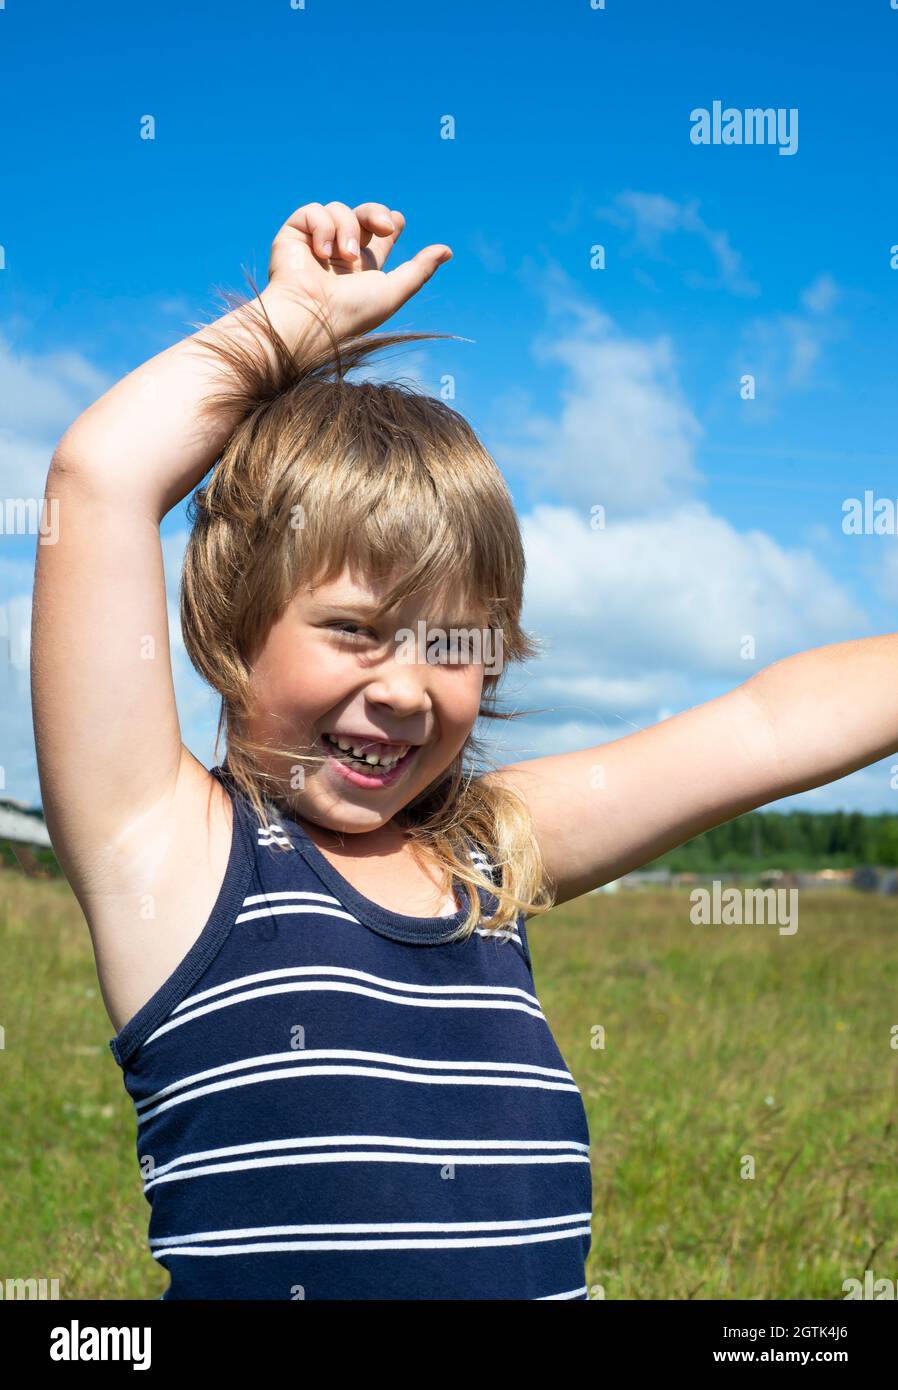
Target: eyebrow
x=348 y=608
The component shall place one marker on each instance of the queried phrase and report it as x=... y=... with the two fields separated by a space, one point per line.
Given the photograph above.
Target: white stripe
x=378 y=1227
x=401 y=1141
x=268 y=1058
x=503 y=934
x=437 y=1160
x=290 y=897
x=294 y=908
x=356 y=1245
x=572 y=1293
x=372 y=1072
x=347 y=972
x=288 y=1245
x=274 y=835
x=324 y=986
x=286 y=893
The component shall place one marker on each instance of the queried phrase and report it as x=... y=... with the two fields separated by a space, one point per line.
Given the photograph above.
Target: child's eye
x=455 y=650
x=442 y=649
x=341 y=627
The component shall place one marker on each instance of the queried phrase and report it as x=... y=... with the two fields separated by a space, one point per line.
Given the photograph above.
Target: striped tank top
x=334 y=1101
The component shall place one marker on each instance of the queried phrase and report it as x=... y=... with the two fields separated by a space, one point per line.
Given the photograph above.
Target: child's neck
x=385 y=840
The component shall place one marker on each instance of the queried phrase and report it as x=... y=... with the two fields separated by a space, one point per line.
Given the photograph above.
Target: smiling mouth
x=367 y=755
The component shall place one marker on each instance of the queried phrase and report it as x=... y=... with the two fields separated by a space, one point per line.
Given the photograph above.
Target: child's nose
x=404 y=687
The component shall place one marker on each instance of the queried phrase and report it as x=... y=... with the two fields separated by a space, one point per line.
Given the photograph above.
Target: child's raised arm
x=799 y=723
x=106 y=727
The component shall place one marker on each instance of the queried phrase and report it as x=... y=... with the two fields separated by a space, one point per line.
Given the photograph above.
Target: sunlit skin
x=327 y=665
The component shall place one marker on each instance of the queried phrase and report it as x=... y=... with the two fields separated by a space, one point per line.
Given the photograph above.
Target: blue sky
x=617 y=387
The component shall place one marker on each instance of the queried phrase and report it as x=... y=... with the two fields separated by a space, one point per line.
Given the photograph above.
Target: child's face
x=327 y=667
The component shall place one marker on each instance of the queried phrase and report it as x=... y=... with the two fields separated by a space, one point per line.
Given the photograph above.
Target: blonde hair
x=390 y=479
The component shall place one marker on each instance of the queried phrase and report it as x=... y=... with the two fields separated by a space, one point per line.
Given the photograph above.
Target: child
x=315 y=956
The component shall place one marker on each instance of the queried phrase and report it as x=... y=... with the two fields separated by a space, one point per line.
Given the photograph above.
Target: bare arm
x=799 y=723
x=106 y=727
x=143 y=445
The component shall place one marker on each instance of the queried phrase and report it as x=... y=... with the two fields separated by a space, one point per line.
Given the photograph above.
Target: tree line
x=799 y=840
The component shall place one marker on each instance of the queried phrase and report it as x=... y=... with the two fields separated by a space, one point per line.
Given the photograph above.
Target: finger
x=408 y=278
x=380 y=230
x=318 y=226
x=375 y=221
x=346 y=245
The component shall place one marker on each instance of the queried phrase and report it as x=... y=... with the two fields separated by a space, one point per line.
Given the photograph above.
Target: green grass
x=720 y=1042
x=71 y=1204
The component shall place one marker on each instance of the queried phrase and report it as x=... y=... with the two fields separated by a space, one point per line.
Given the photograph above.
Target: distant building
x=24 y=831
x=866 y=878
x=640 y=878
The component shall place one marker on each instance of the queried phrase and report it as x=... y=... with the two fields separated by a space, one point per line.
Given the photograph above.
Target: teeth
x=371 y=758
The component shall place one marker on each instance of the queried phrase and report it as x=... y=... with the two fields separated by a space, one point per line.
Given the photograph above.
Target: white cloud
x=653 y=610
x=867 y=790
x=782 y=351
x=884 y=568
x=820 y=296
x=645 y=619
x=18 y=770
x=625 y=436
x=648 y=616
x=40 y=395
x=197 y=704
x=23 y=464
x=653 y=218
x=16 y=575
x=15 y=632
x=45 y=391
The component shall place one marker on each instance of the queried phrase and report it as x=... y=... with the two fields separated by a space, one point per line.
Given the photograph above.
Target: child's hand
x=333 y=257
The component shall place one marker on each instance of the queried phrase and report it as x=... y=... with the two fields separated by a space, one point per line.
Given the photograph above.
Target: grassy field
x=720 y=1042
